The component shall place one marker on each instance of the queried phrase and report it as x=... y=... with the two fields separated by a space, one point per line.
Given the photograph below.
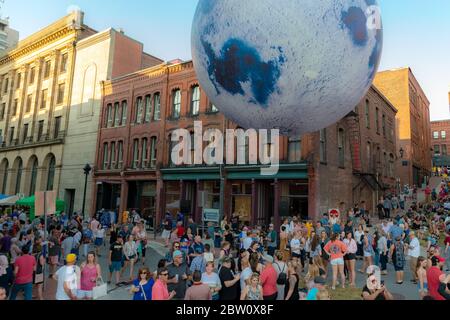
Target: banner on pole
x=44 y=201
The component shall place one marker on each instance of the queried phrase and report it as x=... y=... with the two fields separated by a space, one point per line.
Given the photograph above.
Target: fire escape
x=370 y=176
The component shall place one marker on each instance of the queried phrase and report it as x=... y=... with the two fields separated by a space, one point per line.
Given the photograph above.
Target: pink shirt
x=336 y=249
x=269 y=281
x=87 y=274
x=159 y=291
x=26 y=265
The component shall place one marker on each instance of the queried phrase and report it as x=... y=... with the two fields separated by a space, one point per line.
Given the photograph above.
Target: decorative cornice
x=19 y=52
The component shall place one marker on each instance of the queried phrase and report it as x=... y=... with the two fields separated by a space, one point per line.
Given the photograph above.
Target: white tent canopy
x=10 y=201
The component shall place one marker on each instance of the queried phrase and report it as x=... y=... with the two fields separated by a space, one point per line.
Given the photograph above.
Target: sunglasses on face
x=143 y=272
x=164 y=274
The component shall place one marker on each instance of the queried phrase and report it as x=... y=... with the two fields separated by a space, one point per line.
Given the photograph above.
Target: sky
x=416 y=32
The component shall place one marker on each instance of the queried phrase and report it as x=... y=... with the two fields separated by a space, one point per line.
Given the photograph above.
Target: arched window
x=34 y=170
x=176 y=105
x=124 y=112
x=157 y=107
x=19 y=175
x=369 y=156
x=153 y=146
x=195 y=100
x=144 y=153
x=109 y=116
x=4 y=170
x=138 y=111
x=51 y=173
x=148 y=108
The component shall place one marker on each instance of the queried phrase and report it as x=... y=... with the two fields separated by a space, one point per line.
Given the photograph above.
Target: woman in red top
x=180 y=229
x=336 y=249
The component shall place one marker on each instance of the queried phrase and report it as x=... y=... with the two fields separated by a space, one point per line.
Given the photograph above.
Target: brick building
x=440 y=141
x=133 y=168
x=403 y=90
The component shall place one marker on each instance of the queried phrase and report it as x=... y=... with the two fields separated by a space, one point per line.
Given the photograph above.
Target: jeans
x=383 y=261
x=387 y=213
x=376 y=260
x=271 y=250
x=27 y=290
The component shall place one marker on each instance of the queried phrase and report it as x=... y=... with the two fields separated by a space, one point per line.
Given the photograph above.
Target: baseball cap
x=437 y=259
x=71 y=258
x=177 y=253
x=268 y=258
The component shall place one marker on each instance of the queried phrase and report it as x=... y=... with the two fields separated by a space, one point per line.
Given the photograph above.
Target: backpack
x=282 y=277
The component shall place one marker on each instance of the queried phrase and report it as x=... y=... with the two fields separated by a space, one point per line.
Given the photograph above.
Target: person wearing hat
x=269 y=279
x=68 y=279
x=319 y=284
x=436 y=278
x=229 y=281
x=179 y=274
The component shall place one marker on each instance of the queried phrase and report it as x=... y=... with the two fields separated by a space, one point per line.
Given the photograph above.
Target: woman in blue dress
x=142 y=286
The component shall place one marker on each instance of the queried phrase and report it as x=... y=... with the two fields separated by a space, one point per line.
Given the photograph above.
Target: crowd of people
x=300 y=260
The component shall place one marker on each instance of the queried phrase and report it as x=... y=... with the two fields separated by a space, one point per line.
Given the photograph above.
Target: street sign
x=211 y=215
x=334 y=213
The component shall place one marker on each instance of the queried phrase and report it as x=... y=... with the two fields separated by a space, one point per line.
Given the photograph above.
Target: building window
x=436 y=134
x=391 y=165
x=443 y=134
x=2 y=111
x=153 y=152
x=383 y=124
x=369 y=156
x=367 y=114
x=444 y=149
x=176 y=106
x=57 y=127
x=437 y=149
x=32 y=75
x=19 y=79
x=124 y=112
x=377 y=120
x=105 y=156
x=157 y=107
x=15 y=106
x=341 y=148
x=112 y=158
x=148 y=108
x=109 y=116
x=11 y=135
x=120 y=155
x=44 y=99
x=25 y=133
x=51 y=174
x=5 y=88
x=323 y=145
x=135 y=163
x=64 y=59
x=29 y=102
x=47 y=66
x=60 y=97
x=213 y=108
x=144 y=153
x=5 y=176
x=19 y=176
x=294 y=150
x=138 y=111
x=117 y=115
x=386 y=165
x=34 y=170
x=195 y=102
x=40 y=130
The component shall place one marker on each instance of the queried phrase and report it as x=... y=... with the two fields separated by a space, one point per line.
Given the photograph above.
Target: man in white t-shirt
x=247 y=241
x=68 y=278
x=413 y=253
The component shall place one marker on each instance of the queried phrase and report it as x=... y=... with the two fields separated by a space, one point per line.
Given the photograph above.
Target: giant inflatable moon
x=295 y=65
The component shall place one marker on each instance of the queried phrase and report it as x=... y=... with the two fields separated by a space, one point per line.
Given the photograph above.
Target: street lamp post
x=87 y=169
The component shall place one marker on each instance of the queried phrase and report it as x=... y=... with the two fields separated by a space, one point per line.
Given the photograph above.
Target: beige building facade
x=99 y=57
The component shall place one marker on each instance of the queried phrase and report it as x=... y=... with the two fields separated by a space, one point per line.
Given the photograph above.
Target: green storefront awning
x=191 y=173
x=282 y=175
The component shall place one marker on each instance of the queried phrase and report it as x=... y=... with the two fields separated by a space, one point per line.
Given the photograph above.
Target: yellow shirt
x=309 y=227
x=125 y=216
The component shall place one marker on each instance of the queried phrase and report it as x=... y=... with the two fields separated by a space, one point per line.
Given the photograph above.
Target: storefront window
x=294 y=194
x=212 y=190
x=241 y=200
x=172 y=196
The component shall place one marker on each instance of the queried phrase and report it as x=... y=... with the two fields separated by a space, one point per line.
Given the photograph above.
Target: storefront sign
x=211 y=215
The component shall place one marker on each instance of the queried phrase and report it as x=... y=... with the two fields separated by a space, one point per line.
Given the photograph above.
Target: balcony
x=29 y=143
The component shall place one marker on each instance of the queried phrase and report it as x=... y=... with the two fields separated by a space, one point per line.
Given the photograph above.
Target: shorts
x=54 y=260
x=98 y=241
x=296 y=255
x=81 y=294
x=397 y=268
x=337 y=262
x=350 y=256
x=165 y=234
x=368 y=254
x=115 y=266
x=130 y=257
